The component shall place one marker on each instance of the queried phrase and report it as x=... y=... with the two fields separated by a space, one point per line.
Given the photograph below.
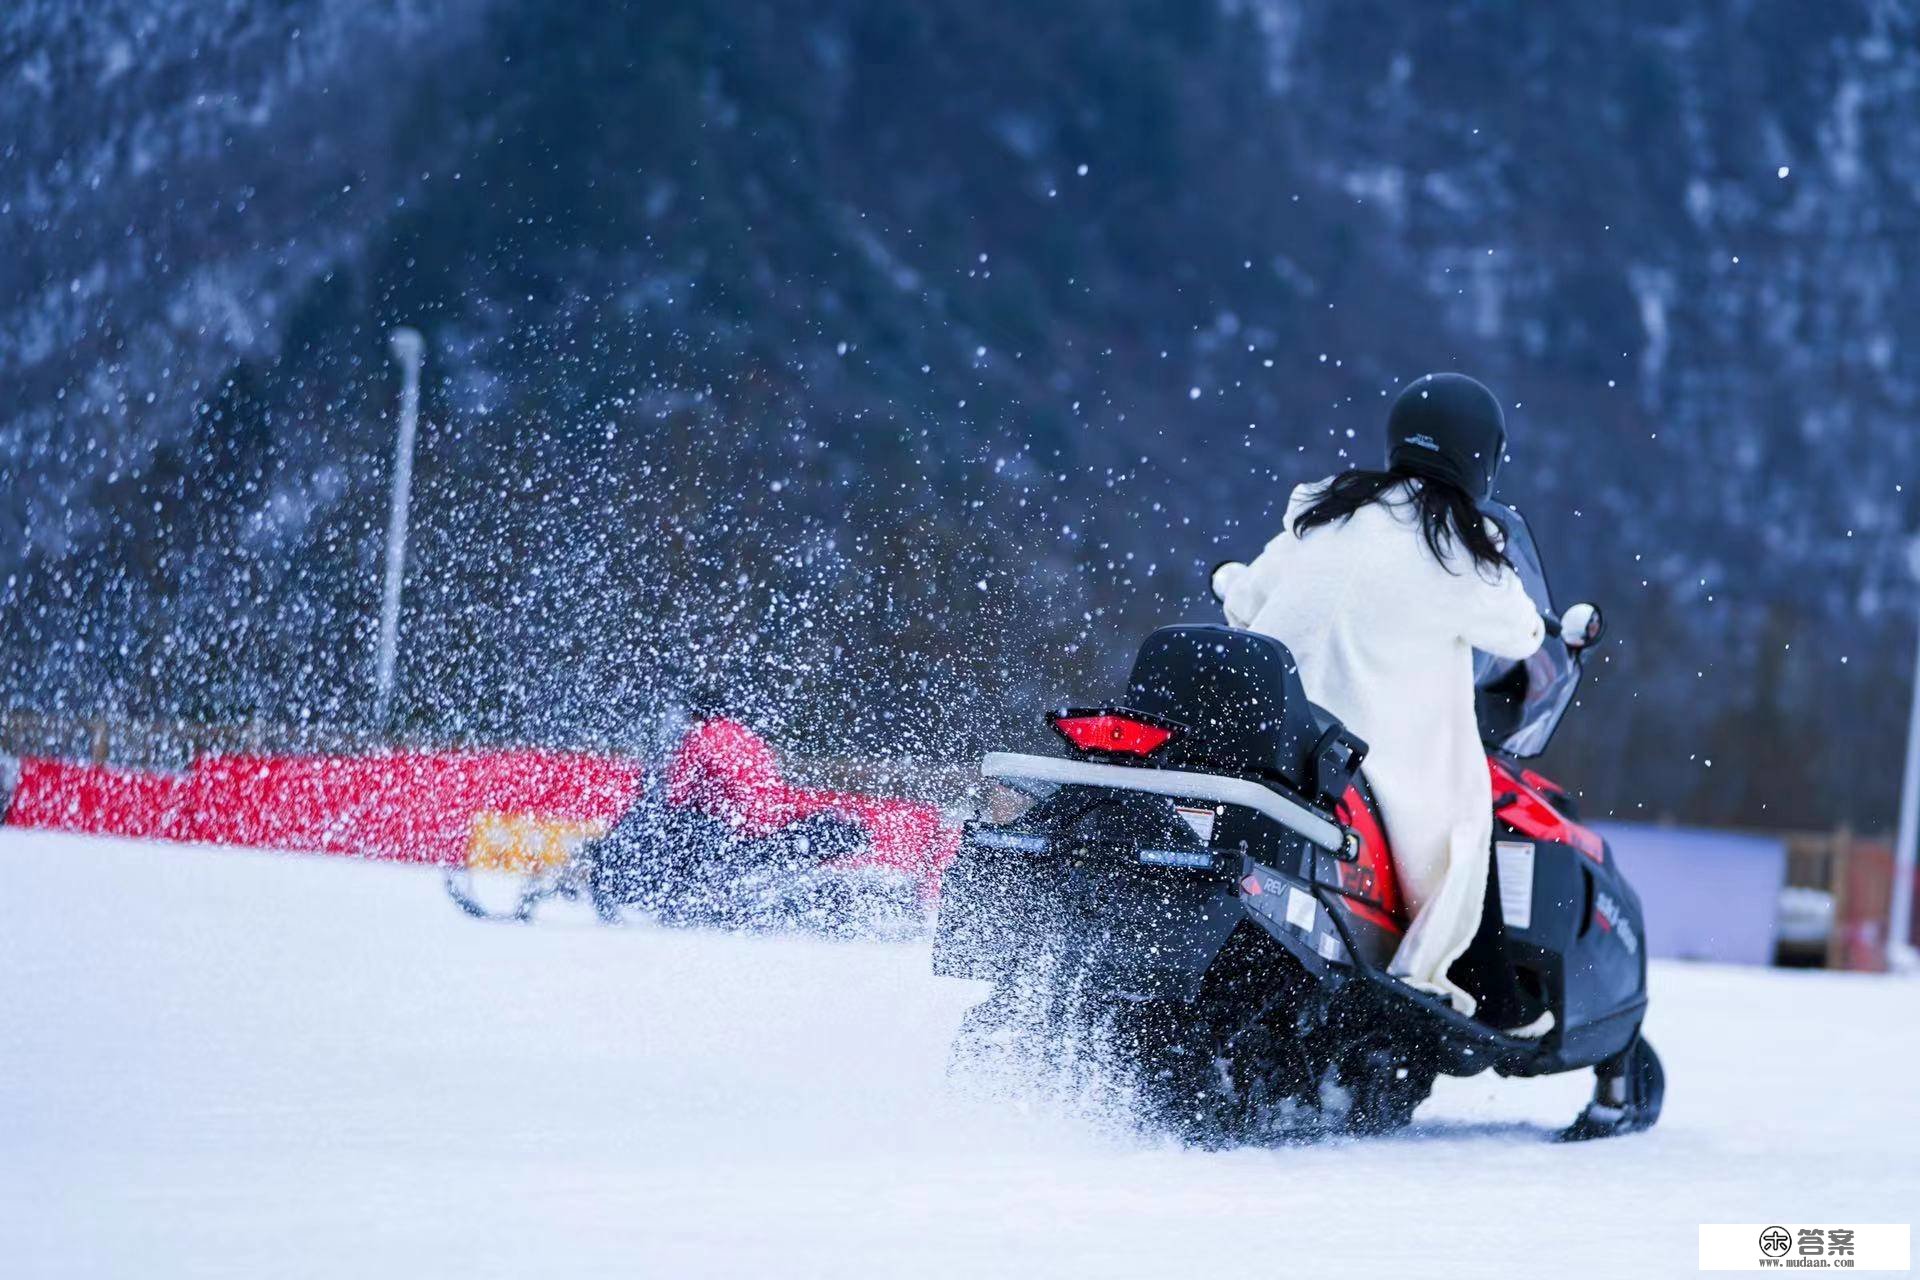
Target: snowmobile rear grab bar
x=1176 y=783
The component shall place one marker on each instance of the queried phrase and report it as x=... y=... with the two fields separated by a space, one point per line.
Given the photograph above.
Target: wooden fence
x=1858 y=871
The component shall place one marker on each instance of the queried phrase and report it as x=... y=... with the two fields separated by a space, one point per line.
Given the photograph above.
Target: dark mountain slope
x=763 y=334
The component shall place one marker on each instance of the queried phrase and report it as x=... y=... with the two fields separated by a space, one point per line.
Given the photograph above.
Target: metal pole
x=1900 y=953
x=408 y=347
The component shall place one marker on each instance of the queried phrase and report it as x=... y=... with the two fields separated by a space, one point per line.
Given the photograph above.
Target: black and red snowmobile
x=1199 y=892
x=720 y=837
x=727 y=840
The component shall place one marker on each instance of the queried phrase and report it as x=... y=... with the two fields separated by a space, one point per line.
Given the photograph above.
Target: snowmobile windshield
x=1520 y=703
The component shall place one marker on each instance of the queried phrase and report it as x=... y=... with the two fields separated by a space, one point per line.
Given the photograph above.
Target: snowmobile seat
x=1239 y=695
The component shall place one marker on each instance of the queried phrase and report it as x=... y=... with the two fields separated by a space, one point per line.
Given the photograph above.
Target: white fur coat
x=1384 y=635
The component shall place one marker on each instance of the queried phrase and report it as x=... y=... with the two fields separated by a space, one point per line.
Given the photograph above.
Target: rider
x=1382 y=584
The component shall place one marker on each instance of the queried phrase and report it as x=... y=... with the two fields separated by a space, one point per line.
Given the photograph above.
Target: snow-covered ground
x=225 y=1063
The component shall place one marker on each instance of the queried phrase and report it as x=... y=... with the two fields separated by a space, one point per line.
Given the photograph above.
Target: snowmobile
x=720 y=838
x=682 y=865
x=1199 y=892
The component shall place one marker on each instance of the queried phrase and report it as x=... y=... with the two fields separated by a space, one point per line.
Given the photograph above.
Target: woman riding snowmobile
x=1382 y=584
x=1262 y=883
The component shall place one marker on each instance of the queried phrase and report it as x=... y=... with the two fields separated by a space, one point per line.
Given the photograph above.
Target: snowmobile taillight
x=1127 y=733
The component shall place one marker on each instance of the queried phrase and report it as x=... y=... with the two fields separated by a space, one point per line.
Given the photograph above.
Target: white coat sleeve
x=1248 y=586
x=1225 y=576
x=1499 y=616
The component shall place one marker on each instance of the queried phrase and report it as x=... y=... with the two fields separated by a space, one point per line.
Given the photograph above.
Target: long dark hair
x=1447 y=515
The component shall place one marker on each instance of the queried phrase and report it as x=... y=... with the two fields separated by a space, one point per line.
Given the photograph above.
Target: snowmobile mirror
x=1582 y=625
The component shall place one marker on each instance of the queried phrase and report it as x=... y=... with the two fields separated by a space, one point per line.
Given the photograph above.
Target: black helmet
x=1448 y=427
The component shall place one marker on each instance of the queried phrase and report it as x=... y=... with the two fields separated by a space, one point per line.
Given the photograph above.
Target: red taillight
x=1116 y=731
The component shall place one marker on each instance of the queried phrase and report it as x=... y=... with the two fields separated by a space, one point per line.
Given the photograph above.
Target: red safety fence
x=511 y=809
x=410 y=806
x=102 y=800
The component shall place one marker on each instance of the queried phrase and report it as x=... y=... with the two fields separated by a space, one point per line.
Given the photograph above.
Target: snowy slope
x=222 y=1063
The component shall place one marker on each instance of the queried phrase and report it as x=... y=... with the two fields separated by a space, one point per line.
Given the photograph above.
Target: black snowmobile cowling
x=1217 y=902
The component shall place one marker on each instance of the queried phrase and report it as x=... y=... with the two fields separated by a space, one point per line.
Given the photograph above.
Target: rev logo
x=1607 y=912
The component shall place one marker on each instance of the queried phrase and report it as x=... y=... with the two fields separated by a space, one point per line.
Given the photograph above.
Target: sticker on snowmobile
x=1197 y=858
x=1300 y=909
x=1201 y=820
x=1516 y=882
